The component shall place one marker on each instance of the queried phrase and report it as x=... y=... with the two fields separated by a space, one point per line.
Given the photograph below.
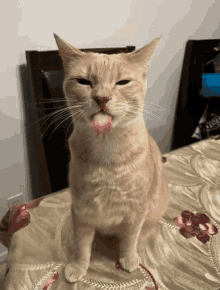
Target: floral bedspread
x=183 y=254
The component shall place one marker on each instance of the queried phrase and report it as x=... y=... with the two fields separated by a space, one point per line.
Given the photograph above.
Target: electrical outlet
x=15 y=200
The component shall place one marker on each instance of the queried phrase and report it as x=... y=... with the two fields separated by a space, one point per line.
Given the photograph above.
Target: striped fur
x=115 y=179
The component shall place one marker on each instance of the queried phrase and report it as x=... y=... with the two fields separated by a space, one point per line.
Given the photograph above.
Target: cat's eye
x=123 y=82
x=84 y=82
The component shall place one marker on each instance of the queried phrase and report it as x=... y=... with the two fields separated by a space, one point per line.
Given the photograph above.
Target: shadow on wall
x=12 y=172
x=165 y=143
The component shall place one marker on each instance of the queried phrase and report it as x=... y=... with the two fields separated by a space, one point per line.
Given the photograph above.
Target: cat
x=115 y=173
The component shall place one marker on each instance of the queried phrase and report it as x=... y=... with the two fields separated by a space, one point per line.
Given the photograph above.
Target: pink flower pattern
x=198 y=225
x=117 y=266
x=190 y=224
x=52 y=280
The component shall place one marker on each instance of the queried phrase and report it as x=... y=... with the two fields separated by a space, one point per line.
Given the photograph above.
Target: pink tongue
x=102 y=124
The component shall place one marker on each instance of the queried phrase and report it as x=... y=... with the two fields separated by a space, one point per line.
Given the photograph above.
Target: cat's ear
x=67 y=51
x=143 y=55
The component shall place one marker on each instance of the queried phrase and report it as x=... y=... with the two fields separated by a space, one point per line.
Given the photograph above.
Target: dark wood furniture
x=190 y=103
x=48 y=151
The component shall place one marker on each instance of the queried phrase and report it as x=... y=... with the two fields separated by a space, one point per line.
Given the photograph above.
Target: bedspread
x=184 y=254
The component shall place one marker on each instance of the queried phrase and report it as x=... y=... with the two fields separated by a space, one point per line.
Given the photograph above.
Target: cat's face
x=113 y=85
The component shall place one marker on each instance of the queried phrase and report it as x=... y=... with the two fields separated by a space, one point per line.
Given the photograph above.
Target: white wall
x=29 y=25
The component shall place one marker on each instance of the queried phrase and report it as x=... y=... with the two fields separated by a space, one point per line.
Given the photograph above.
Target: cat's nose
x=101 y=101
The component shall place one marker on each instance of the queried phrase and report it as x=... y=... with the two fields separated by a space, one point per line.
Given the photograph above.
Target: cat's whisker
x=50 y=115
x=119 y=109
x=73 y=107
x=39 y=96
x=66 y=109
x=81 y=113
x=155 y=116
x=138 y=107
x=160 y=121
x=148 y=112
x=155 y=109
x=60 y=123
x=120 y=105
x=56 y=118
x=49 y=101
x=146 y=106
x=71 y=114
x=60 y=116
x=46 y=101
x=71 y=123
x=158 y=108
x=68 y=129
x=74 y=116
x=34 y=104
x=127 y=113
x=43 y=109
x=153 y=105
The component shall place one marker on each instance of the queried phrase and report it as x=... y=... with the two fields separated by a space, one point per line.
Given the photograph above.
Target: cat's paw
x=129 y=263
x=74 y=272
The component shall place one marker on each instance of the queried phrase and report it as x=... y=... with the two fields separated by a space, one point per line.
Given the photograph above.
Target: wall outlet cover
x=15 y=200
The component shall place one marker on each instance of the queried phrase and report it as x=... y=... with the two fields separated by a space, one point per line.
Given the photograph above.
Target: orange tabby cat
x=115 y=168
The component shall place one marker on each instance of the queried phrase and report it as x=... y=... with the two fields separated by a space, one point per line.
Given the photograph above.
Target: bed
x=184 y=254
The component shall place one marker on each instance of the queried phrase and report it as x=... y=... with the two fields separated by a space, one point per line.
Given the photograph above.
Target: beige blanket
x=184 y=254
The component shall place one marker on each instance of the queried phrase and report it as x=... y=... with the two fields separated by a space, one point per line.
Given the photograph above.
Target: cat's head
x=114 y=85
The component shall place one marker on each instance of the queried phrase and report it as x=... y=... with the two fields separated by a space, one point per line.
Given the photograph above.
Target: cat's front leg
x=129 y=259
x=83 y=238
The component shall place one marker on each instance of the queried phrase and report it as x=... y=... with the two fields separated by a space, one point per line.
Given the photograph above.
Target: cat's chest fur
x=105 y=194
